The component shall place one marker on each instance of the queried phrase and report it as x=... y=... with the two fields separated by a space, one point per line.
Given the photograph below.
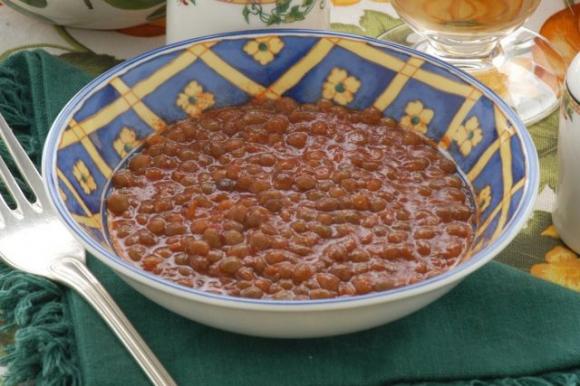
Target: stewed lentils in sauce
x=278 y=200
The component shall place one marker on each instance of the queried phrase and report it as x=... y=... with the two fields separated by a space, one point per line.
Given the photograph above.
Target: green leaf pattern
x=372 y=23
x=90 y=62
x=133 y=4
x=545 y=135
x=35 y=3
x=529 y=247
x=347 y=28
x=22 y=9
x=159 y=13
x=282 y=13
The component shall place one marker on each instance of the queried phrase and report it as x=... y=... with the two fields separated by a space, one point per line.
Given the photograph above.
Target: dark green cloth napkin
x=500 y=326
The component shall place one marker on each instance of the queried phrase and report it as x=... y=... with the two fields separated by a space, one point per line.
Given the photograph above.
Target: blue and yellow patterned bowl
x=112 y=115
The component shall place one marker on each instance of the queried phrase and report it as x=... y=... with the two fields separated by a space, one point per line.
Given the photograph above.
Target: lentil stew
x=277 y=200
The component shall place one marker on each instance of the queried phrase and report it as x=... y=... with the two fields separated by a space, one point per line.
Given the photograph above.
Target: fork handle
x=75 y=274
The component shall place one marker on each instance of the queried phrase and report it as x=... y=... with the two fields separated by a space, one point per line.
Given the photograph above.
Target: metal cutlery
x=33 y=239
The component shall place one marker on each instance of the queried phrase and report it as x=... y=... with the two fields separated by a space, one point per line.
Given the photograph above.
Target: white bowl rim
x=142 y=277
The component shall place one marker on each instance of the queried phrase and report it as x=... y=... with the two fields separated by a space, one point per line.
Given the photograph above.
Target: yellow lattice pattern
x=132 y=98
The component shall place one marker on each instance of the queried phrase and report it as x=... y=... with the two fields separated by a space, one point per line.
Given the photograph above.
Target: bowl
x=91 y=14
x=114 y=113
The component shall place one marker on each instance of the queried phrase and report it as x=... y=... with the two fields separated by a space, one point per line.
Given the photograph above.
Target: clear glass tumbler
x=484 y=37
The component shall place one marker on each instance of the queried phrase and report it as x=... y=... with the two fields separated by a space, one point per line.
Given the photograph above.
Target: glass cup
x=484 y=37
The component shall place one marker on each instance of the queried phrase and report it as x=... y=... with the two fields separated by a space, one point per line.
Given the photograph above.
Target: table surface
x=537 y=249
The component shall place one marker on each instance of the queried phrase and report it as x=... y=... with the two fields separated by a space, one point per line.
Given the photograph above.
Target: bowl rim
x=127 y=270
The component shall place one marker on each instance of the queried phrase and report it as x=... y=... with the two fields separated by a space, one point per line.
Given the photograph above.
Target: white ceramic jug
x=566 y=214
x=192 y=18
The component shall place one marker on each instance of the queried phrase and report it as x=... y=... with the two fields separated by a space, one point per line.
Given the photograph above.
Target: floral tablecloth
x=536 y=250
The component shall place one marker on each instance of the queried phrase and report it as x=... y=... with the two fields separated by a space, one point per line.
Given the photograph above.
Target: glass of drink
x=485 y=38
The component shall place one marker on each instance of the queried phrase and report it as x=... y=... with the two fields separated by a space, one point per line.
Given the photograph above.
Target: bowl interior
x=113 y=114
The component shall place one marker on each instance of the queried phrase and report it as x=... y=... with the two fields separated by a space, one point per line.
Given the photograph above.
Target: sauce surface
x=278 y=200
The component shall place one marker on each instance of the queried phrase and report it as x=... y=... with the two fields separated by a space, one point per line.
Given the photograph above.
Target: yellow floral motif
x=551 y=231
x=495 y=80
x=263 y=50
x=84 y=177
x=125 y=142
x=340 y=86
x=484 y=198
x=562 y=267
x=560 y=254
x=468 y=136
x=193 y=100
x=417 y=117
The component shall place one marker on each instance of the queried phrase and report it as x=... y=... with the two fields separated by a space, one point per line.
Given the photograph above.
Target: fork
x=34 y=240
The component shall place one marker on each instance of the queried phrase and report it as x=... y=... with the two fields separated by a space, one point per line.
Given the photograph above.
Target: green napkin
x=500 y=326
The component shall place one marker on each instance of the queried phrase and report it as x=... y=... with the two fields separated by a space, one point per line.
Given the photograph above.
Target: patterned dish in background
x=113 y=114
x=92 y=14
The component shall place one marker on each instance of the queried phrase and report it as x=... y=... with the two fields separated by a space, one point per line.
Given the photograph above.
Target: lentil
x=278 y=200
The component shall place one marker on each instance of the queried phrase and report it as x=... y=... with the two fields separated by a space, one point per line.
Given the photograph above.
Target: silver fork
x=33 y=240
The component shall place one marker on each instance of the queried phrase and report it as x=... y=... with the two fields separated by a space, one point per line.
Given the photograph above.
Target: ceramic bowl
x=91 y=14
x=114 y=113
